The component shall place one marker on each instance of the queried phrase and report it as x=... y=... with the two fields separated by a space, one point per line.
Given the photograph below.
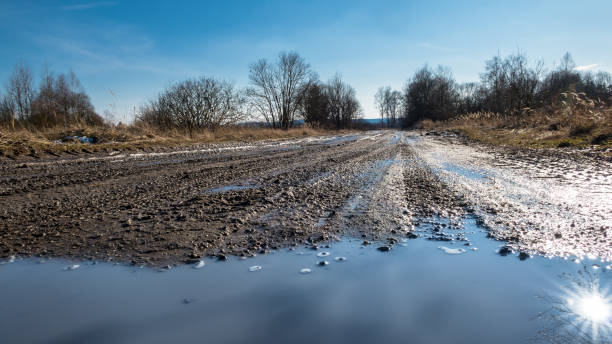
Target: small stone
x=323 y=263
x=524 y=255
x=221 y=257
x=384 y=248
x=505 y=250
x=340 y=259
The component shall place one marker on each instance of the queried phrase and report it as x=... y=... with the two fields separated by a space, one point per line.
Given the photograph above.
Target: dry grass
x=36 y=143
x=577 y=122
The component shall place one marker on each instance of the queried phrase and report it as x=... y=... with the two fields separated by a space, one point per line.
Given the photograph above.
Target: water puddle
x=228 y=188
x=416 y=292
x=341 y=139
x=466 y=172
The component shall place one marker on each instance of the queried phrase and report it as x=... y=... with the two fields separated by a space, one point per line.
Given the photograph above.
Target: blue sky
x=125 y=52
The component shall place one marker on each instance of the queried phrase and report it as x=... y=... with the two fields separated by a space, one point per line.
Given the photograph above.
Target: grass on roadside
x=577 y=122
x=121 y=138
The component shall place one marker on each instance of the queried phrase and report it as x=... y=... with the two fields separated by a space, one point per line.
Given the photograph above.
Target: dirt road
x=167 y=207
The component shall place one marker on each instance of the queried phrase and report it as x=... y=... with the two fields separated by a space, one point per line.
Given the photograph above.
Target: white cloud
x=89 y=5
x=587 y=67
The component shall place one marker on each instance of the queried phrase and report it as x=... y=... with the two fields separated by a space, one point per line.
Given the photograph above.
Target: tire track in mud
x=169 y=207
x=162 y=211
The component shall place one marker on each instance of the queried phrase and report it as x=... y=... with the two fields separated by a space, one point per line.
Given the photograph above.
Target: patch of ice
x=305 y=271
x=72 y=267
x=199 y=265
x=323 y=254
x=254 y=268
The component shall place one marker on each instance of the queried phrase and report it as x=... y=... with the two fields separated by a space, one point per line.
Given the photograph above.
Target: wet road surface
x=167 y=207
x=427 y=239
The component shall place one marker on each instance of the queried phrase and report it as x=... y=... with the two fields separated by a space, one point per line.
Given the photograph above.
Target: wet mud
x=169 y=207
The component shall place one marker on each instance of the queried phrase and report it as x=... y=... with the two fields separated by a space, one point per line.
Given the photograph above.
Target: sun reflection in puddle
x=591 y=307
x=591 y=314
x=583 y=312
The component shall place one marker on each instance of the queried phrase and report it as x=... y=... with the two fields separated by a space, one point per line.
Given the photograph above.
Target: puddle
x=228 y=188
x=414 y=293
x=342 y=139
x=468 y=173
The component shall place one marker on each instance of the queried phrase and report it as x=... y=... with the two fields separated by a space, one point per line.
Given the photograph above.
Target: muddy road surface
x=174 y=206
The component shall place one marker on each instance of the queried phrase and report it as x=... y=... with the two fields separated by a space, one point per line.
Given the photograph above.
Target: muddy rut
x=166 y=207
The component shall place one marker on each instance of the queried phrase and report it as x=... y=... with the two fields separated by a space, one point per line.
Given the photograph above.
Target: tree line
x=508 y=86
x=280 y=92
x=57 y=100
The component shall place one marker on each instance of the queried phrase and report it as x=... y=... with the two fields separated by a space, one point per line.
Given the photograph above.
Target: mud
x=167 y=207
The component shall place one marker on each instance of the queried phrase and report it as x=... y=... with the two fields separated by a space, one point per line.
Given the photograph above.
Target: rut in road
x=168 y=207
x=164 y=208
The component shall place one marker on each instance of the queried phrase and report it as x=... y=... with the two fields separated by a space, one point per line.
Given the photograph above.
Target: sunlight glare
x=592 y=307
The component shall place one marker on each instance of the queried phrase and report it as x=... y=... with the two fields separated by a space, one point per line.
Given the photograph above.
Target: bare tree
x=430 y=94
x=315 y=102
x=20 y=93
x=46 y=103
x=343 y=106
x=380 y=100
x=276 y=89
x=6 y=111
x=195 y=104
x=389 y=105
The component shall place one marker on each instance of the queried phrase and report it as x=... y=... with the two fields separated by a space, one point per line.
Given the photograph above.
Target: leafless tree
x=19 y=93
x=511 y=83
x=47 y=102
x=195 y=104
x=6 y=111
x=381 y=103
x=276 y=89
x=430 y=94
x=343 y=106
x=62 y=100
x=389 y=105
x=314 y=105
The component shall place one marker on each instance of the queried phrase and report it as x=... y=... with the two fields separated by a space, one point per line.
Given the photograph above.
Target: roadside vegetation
x=56 y=116
x=514 y=103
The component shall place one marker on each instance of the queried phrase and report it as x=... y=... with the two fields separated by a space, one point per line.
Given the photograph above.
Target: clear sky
x=125 y=52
